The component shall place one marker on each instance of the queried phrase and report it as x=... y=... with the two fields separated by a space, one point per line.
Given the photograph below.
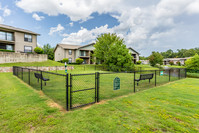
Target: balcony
x=84 y=54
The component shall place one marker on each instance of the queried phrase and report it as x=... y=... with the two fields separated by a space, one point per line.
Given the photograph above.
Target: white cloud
x=37 y=17
x=84 y=35
x=6 y=12
x=193 y=7
x=59 y=28
x=75 y=9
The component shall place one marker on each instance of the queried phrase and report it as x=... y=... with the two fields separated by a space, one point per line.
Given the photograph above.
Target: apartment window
x=70 y=60
x=82 y=53
x=9 y=47
x=9 y=36
x=6 y=36
x=27 y=49
x=2 y=35
x=27 y=37
x=70 y=52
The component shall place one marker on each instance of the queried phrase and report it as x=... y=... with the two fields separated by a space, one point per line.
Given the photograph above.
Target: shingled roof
x=69 y=46
x=7 y=27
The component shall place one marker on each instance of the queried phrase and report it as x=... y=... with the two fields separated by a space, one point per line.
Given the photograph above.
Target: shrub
x=193 y=62
x=79 y=61
x=178 y=63
x=5 y=50
x=38 y=50
x=171 y=63
x=138 y=62
x=65 y=60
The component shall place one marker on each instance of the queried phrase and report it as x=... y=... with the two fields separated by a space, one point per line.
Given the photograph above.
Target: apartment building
x=16 y=39
x=175 y=60
x=72 y=52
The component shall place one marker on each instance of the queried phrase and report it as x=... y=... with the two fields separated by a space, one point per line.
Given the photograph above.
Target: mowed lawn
x=170 y=108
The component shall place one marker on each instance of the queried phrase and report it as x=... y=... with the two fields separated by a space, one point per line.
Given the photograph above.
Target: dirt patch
x=178 y=120
x=101 y=102
x=55 y=105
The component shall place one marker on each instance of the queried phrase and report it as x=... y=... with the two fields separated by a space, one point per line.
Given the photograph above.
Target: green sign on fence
x=116 y=84
x=161 y=73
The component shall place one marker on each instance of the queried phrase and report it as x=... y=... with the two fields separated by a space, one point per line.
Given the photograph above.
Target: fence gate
x=83 y=89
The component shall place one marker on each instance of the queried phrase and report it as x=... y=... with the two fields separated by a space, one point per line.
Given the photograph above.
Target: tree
x=155 y=58
x=38 y=50
x=193 y=62
x=79 y=61
x=111 y=51
x=143 y=58
x=49 y=51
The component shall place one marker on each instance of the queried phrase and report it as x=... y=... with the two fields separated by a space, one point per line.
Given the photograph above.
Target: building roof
x=7 y=27
x=133 y=50
x=69 y=46
x=86 y=45
x=174 y=59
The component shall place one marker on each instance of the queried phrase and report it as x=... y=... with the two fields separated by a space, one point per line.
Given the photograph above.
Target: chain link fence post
x=67 y=96
x=134 y=82
x=41 y=79
x=98 y=78
x=70 y=91
x=155 y=77
x=29 y=76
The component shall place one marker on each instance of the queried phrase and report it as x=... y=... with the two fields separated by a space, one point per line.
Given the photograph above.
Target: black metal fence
x=77 y=90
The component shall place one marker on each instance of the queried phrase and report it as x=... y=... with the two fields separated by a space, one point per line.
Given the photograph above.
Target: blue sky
x=146 y=26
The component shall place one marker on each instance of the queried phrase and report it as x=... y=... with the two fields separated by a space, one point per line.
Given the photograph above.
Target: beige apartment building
x=16 y=39
x=72 y=52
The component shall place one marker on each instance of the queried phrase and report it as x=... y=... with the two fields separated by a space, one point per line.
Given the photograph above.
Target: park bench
x=144 y=77
x=40 y=76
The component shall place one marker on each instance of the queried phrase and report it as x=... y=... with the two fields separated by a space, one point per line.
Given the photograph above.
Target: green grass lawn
x=170 y=108
x=45 y=63
x=174 y=66
x=145 y=67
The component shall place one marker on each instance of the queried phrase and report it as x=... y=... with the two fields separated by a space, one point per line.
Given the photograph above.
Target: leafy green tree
x=49 y=51
x=155 y=58
x=193 y=62
x=111 y=51
x=79 y=61
x=38 y=50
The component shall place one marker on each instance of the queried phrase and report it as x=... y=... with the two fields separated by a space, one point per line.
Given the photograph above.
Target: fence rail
x=76 y=90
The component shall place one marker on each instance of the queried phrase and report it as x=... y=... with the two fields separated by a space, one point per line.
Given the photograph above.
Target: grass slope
x=169 y=108
x=45 y=63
